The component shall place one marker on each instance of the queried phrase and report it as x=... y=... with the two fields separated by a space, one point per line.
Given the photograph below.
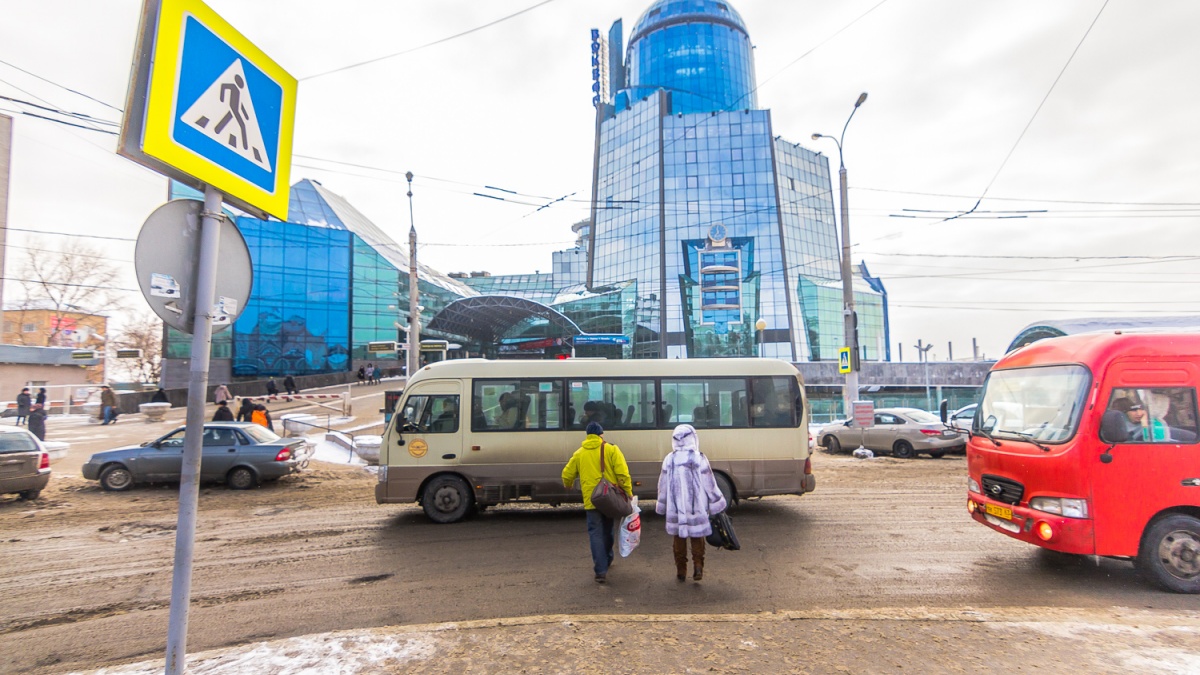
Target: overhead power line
x=427 y=44
x=61 y=86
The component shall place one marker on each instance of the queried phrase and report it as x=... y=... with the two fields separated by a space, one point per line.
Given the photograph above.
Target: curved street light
x=850 y=392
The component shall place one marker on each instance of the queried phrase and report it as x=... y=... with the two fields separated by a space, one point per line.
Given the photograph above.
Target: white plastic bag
x=630 y=530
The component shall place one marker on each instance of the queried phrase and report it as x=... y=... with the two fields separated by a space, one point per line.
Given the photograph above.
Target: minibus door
x=1148 y=472
x=432 y=424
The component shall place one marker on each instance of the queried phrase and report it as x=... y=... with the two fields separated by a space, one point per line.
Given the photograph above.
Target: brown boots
x=679 y=548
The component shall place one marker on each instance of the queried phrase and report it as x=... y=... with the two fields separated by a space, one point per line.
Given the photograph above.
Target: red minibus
x=1087 y=444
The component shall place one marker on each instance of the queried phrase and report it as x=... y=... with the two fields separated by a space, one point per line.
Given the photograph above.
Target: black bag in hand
x=722 y=535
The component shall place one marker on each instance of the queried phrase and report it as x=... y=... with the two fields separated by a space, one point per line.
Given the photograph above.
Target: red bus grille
x=1003 y=489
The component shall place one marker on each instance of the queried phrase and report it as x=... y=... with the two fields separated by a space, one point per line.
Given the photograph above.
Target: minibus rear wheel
x=726 y=488
x=1170 y=553
x=447 y=499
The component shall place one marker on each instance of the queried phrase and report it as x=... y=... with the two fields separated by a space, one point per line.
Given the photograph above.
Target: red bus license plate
x=999 y=511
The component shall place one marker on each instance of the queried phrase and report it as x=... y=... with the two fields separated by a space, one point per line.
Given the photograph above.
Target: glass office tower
x=717 y=222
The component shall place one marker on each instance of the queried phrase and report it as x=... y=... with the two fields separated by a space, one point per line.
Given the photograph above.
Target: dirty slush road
x=87 y=574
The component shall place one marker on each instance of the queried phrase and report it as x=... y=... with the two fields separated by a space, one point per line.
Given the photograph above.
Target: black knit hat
x=595 y=428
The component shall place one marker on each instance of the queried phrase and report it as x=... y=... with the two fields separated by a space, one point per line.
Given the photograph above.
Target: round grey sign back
x=167 y=257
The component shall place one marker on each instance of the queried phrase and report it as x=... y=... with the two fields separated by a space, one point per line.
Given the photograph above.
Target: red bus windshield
x=1040 y=404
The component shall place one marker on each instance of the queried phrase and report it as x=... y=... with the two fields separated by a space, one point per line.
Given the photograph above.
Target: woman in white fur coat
x=688 y=495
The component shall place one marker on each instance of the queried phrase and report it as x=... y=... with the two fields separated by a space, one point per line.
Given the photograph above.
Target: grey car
x=239 y=453
x=24 y=463
x=903 y=432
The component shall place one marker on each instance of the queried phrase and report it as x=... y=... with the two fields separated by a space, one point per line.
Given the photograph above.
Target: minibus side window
x=772 y=404
x=707 y=403
x=441 y=416
x=507 y=405
x=614 y=404
x=1153 y=415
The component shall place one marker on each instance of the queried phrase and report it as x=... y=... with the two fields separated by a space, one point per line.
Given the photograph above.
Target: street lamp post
x=414 y=309
x=850 y=393
x=923 y=354
x=760 y=326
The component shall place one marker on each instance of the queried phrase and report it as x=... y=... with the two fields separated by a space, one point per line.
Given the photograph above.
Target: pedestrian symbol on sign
x=227 y=100
x=844 y=360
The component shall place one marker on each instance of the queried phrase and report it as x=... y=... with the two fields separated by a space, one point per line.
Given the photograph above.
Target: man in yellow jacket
x=585 y=465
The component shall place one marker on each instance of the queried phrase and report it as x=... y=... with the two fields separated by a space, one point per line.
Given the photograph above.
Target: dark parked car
x=24 y=463
x=239 y=453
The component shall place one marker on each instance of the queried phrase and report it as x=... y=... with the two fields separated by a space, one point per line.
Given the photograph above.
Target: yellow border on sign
x=844 y=351
x=160 y=108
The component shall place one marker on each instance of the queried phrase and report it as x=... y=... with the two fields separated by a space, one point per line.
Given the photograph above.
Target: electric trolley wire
x=61 y=86
x=427 y=44
x=1033 y=117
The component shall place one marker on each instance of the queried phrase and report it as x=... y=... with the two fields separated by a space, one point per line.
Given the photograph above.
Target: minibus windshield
x=1040 y=404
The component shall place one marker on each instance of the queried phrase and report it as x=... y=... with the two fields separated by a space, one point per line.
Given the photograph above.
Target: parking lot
x=88 y=573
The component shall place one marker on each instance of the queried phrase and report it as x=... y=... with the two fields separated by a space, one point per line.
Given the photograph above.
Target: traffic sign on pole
x=844 y=360
x=207 y=107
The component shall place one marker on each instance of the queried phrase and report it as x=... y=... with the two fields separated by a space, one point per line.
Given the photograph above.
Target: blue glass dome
x=698 y=50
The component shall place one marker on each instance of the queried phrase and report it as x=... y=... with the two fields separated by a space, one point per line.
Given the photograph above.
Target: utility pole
x=850 y=320
x=922 y=354
x=414 y=307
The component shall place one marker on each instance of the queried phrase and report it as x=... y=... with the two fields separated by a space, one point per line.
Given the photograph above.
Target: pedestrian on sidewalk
x=246 y=411
x=37 y=421
x=688 y=494
x=221 y=393
x=108 y=405
x=289 y=385
x=362 y=374
x=585 y=465
x=23 y=402
x=41 y=397
x=223 y=413
x=262 y=417
x=272 y=388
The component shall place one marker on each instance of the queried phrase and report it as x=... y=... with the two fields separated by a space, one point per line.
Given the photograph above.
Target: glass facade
x=326 y=282
x=297 y=320
x=698 y=50
x=720 y=223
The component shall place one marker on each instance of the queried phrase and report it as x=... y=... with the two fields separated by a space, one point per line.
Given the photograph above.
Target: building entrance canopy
x=487 y=318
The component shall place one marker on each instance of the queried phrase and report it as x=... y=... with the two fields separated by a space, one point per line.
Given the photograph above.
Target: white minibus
x=473 y=433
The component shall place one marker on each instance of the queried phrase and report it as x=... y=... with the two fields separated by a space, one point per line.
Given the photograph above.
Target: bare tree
x=75 y=278
x=142 y=331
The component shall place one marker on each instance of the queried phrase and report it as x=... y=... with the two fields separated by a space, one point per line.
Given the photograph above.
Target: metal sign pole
x=189 y=483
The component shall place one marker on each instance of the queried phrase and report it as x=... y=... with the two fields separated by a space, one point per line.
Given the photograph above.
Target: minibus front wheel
x=1170 y=553
x=447 y=499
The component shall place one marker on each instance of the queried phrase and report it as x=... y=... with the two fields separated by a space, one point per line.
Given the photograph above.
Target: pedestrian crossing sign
x=213 y=108
x=844 y=360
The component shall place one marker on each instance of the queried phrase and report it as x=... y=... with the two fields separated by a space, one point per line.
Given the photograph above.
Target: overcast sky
x=1112 y=156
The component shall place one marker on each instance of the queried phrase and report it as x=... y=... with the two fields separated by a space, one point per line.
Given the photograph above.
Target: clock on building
x=717 y=233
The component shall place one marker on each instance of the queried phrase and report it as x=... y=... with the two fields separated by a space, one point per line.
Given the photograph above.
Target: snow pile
x=863 y=453
x=333 y=452
x=333 y=653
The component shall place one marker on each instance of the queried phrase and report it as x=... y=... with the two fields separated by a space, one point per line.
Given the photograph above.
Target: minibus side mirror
x=944 y=408
x=1113 y=430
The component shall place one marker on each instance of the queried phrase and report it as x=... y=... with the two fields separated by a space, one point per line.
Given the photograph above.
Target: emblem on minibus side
x=418 y=448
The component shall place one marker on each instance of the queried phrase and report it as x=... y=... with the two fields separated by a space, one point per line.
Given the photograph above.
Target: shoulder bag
x=610 y=499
